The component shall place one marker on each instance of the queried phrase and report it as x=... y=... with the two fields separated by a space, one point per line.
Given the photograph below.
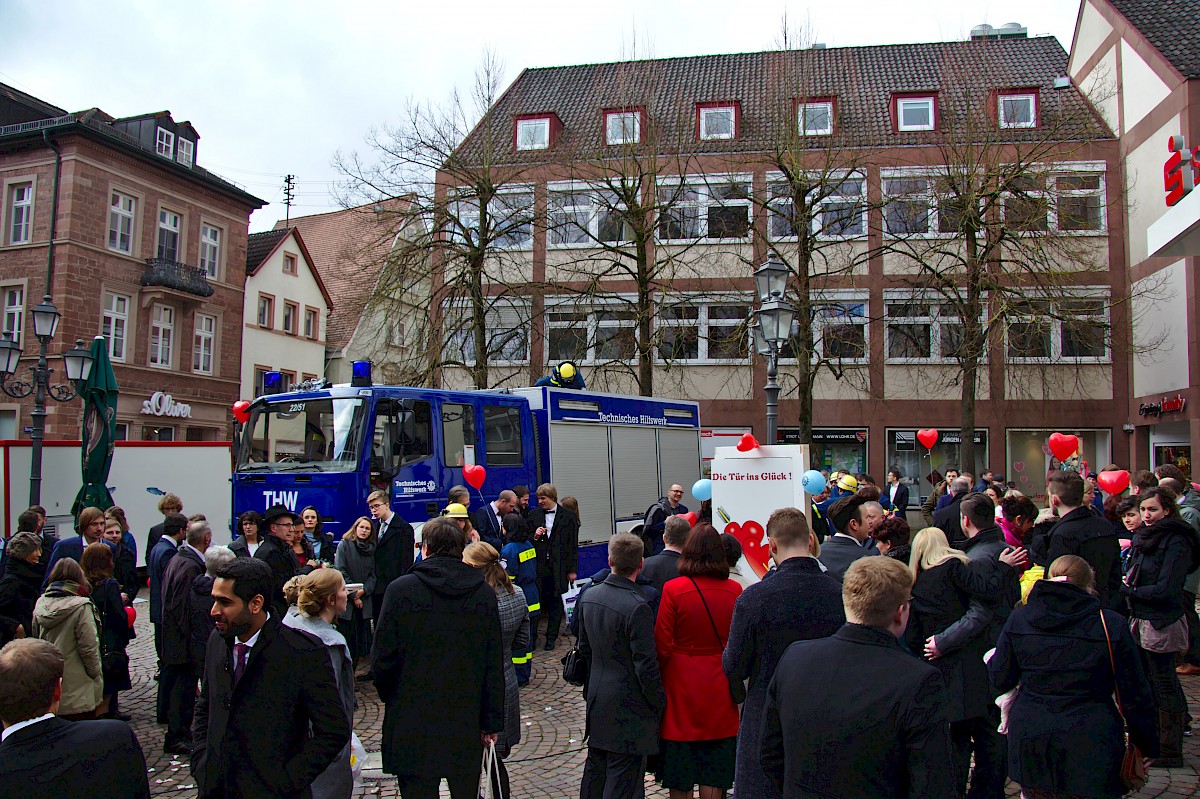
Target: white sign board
x=748 y=487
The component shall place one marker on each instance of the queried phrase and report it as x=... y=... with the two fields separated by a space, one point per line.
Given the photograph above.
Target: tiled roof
x=767 y=84
x=349 y=250
x=1170 y=26
x=260 y=245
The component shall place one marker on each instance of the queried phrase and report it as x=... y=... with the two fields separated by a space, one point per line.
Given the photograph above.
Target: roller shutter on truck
x=579 y=458
x=679 y=462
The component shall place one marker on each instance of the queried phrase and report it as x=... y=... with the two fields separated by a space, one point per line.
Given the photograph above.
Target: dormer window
x=622 y=127
x=187 y=152
x=165 y=144
x=916 y=113
x=1018 y=110
x=815 y=119
x=533 y=134
x=718 y=122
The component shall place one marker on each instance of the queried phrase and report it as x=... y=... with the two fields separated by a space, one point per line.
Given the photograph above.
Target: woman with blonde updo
x=320 y=597
x=514 y=634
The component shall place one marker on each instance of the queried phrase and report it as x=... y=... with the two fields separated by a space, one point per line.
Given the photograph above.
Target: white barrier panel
x=142 y=471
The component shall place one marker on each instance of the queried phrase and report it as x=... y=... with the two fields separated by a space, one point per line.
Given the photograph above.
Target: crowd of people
x=988 y=646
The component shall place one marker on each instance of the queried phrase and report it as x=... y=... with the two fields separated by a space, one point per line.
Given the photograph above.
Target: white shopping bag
x=358 y=754
x=571 y=595
x=488 y=768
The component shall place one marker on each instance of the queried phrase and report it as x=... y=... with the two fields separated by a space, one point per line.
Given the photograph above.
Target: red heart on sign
x=747 y=442
x=1113 y=482
x=1063 y=446
x=1019 y=465
x=927 y=438
x=750 y=536
x=691 y=517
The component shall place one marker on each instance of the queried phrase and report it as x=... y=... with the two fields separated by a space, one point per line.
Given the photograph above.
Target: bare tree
x=460 y=244
x=1001 y=239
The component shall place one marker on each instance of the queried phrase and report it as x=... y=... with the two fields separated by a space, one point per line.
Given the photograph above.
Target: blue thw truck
x=331 y=446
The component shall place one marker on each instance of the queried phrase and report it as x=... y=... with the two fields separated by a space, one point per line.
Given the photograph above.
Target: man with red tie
x=269 y=719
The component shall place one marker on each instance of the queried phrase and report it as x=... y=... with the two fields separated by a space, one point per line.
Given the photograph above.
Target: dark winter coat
x=73 y=760
x=201 y=627
x=799 y=602
x=125 y=571
x=941 y=596
x=558 y=553
x=241 y=548
x=275 y=731
x=1064 y=732
x=356 y=561
x=649 y=593
x=182 y=571
x=1160 y=559
x=284 y=566
x=1094 y=539
x=838 y=552
x=624 y=692
x=19 y=591
x=115 y=634
x=156 y=565
x=878 y=738
x=436 y=705
x=394 y=553
x=948 y=519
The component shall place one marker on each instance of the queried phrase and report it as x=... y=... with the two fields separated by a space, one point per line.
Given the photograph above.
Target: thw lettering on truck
x=284 y=498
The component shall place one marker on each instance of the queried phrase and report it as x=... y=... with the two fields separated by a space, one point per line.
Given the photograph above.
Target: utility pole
x=289 y=187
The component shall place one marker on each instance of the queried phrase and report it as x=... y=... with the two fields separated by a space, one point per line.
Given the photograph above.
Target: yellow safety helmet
x=846 y=482
x=456 y=510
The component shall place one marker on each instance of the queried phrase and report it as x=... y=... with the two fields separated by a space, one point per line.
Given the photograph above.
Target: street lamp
x=772 y=327
x=77 y=363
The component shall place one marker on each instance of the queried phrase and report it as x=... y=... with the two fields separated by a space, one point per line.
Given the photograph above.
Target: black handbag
x=737 y=688
x=575 y=667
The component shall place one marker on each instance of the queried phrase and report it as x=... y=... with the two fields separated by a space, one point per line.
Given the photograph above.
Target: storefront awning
x=1177 y=232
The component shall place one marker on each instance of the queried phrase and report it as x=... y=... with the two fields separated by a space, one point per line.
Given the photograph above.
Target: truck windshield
x=324 y=434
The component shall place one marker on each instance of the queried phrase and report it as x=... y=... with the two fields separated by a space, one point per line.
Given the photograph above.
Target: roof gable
x=260 y=247
x=1170 y=28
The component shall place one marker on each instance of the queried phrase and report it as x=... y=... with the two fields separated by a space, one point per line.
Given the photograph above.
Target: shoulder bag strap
x=1113 y=663
x=709 y=612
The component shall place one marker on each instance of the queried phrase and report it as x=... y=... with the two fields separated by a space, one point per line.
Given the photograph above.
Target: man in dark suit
x=178 y=685
x=664 y=566
x=797 y=603
x=897 y=492
x=947 y=519
x=90 y=532
x=879 y=738
x=45 y=756
x=269 y=719
x=853 y=519
x=276 y=551
x=1080 y=532
x=556 y=539
x=439 y=709
x=489 y=520
x=395 y=549
x=167 y=504
x=157 y=560
x=624 y=693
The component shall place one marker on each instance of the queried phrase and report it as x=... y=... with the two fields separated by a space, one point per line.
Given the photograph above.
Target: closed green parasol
x=99 y=395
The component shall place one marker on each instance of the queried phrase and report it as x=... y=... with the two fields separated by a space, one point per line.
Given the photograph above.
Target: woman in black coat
x=1162 y=554
x=1065 y=735
x=942 y=591
x=246 y=544
x=21 y=584
x=124 y=561
x=115 y=632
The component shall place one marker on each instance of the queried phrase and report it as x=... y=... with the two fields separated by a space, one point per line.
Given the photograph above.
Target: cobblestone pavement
x=546 y=764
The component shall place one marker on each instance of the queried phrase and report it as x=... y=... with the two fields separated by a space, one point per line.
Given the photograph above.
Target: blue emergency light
x=272 y=382
x=360 y=374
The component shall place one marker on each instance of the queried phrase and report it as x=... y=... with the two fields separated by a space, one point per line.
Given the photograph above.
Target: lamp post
x=772 y=327
x=78 y=365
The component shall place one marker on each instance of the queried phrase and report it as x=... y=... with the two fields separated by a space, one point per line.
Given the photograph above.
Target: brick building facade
x=149 y=251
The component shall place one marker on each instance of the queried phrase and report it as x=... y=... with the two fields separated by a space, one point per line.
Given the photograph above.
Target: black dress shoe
x=549 y=647
x=177 y=748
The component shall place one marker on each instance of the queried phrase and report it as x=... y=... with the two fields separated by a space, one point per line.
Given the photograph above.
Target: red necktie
x=240 y=651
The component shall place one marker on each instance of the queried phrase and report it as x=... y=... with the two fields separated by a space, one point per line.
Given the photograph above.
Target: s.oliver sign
x=161 y=404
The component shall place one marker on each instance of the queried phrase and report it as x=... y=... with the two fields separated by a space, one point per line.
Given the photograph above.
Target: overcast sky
x=278 y=87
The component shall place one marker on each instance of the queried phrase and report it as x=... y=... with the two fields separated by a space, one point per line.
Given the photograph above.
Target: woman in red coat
x=700 y=725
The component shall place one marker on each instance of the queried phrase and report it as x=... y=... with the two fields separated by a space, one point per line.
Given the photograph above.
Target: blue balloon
x=702 y=489
x=813 y=482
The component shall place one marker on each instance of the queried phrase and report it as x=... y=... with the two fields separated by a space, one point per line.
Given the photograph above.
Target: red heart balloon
x=1063 y=446
x=474 y=475
x=750 y=536
x=927 y=437
x=747 y=442
x=131 y=614
x=241 y=411
x=691 y=517
x=1113 y=482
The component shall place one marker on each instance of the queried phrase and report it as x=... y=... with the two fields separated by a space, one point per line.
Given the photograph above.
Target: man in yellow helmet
x=565 y=375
